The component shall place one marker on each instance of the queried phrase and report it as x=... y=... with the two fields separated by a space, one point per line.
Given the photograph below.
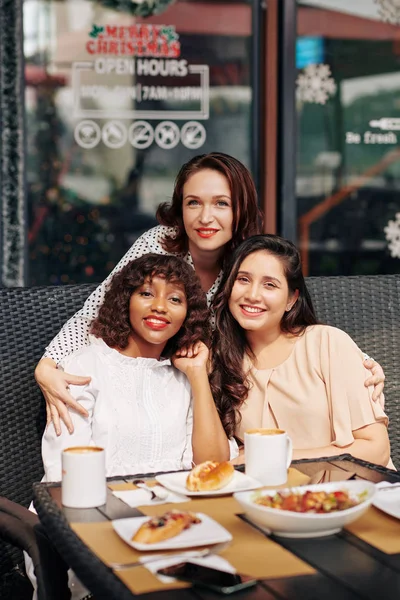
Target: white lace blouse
x=139 y=410
x=75 y=333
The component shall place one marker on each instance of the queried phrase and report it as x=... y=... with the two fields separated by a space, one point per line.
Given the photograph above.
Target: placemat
x=250 y=552
x=125 y=485
x=108 y=546
x=378 y=529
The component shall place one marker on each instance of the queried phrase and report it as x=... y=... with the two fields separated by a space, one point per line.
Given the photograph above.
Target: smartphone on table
x=219 y=581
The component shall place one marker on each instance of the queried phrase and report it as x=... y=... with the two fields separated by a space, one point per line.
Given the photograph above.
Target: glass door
x=348 y=136
x=116 y=102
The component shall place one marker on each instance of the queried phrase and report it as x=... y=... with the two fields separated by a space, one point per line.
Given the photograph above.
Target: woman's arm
x=53 y=444
x=209 y=440
x=358 y=424
x=74 y=335
x=371 y=443
x=187 y=458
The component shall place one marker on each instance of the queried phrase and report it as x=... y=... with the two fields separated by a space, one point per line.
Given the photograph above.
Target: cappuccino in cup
x=83 y=449
x=268 y=454
x=265 y=431
x=83 y=483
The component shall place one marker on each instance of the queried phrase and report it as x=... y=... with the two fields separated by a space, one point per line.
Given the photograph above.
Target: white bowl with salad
x=310 y=510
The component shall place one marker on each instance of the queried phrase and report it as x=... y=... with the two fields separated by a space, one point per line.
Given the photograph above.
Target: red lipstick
x=156 y=323
x=206 y=232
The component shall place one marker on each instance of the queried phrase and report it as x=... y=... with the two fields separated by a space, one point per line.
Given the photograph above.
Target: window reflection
x=348 y=171
x=94 y=181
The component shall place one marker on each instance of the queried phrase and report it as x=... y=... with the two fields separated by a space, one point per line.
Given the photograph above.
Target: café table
x=361 y=561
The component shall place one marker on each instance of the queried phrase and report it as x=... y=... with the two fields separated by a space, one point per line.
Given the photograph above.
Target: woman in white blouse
x=148 y=414
x=214 y=208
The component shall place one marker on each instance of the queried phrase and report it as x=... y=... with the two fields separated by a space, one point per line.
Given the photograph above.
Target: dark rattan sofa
x=29 y=318
x=367 y=307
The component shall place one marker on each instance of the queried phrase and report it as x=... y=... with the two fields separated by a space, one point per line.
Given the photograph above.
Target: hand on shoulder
x=54 y=384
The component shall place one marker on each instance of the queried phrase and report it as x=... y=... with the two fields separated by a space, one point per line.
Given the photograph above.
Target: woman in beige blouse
x=275 y=366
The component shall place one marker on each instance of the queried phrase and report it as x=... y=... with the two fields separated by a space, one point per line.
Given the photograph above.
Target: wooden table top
x=362 y=561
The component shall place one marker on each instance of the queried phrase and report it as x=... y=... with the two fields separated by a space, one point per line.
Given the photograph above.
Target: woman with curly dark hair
x=148 y=414
x=274 y=366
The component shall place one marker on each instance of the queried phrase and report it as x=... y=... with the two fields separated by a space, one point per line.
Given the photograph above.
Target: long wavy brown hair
x=247 y=217
x=229 y=381
x=113 y=324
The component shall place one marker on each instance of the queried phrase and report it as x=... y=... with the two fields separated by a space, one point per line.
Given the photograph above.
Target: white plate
x=388 y=501
x=286 y=523
x=176 y=482
x=200 y=534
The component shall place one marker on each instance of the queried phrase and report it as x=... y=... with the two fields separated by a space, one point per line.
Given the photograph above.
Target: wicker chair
x=29 y=319
x=367 y=307
x=95 y=575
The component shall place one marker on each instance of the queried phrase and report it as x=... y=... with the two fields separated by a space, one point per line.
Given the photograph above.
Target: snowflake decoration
x=389 y=10
x=315 y=84
x=392 y=232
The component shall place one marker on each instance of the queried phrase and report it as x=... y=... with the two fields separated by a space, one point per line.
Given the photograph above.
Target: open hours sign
x=117 y=88
x=138 y=74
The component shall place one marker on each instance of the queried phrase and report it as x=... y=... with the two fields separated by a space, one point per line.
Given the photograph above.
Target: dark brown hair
x=113 y=324
x=229 y=382
x=247 y=217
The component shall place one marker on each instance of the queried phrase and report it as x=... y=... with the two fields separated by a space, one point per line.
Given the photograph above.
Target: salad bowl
x=289 y=523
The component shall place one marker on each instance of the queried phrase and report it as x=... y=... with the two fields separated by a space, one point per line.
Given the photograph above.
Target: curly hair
x=113 y=324
x=247 y=217
x=229 y=381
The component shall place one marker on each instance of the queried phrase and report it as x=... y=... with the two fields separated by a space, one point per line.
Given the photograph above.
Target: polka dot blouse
x=75 y=333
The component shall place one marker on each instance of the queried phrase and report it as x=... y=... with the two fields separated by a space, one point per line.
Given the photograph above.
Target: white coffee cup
x=83 y=483
x=268 y=454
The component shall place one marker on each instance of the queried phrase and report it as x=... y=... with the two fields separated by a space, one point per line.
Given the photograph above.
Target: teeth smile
x=252 y=309
x=157 y=321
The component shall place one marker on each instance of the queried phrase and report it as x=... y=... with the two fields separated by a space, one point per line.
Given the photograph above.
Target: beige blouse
x=317 y=394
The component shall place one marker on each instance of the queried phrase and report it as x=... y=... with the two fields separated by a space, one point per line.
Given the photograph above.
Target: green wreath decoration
x=138 y=8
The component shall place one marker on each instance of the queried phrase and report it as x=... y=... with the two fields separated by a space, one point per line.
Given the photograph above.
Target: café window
x=348 y=136
x=115 y=103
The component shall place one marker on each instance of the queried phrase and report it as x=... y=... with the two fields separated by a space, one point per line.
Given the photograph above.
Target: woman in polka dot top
x=214 y=208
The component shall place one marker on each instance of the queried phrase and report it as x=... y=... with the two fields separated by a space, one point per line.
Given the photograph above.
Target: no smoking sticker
x=193 y=134
x=141 y=134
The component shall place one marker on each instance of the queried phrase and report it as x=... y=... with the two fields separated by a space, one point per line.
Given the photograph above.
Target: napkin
x=213 y=561
x=142 y=497
x=388 y=485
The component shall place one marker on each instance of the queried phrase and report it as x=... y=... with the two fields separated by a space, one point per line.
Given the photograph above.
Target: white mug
x=268 y=454
x=83 y=483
